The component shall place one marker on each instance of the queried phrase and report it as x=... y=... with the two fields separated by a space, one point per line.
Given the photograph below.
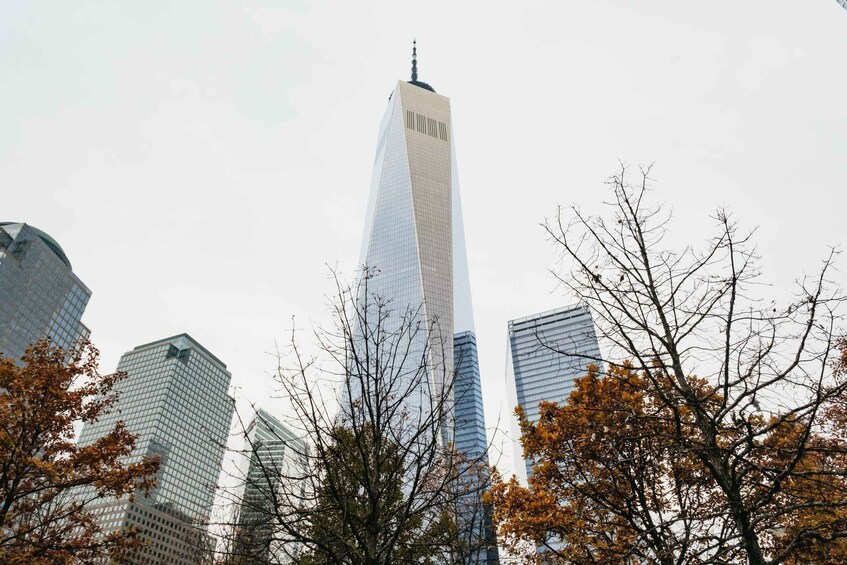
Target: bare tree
x=374 y=477
x=747 y=385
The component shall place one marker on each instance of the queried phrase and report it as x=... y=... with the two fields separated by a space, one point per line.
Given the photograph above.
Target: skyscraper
x=470 y=439
x=175 y=399
x=413 y=232
x=547 y=352
x=40 y=296
x=470 y=434
x=272 y=450
x=414 y=237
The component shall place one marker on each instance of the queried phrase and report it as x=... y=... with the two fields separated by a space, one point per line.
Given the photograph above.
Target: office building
x=40 y=296
x=414 y=237
x=413 y=221
x=470 y=439
x=175 y=399
x=469 y=417
x=413 y=228
x=547 y=352
x=273 y=455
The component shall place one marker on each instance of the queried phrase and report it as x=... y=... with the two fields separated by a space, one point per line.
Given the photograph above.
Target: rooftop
x=49 y=241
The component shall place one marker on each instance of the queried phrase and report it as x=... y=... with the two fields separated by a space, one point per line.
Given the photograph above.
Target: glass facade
x=470 y=435
x=175 y=399
x=40 y=296
x=272 y=450
x=408 y=231
x=547 y=352
x=470 y=438
x=414 y=238
x=413 y=229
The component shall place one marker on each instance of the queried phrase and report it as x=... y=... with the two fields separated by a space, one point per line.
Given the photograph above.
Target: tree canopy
x=376 y=479
x=48 y=483
x=714 y=432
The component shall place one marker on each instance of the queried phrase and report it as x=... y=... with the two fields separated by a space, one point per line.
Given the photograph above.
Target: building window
x=442 y=131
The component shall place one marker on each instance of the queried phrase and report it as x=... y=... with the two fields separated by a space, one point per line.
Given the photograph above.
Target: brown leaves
x=751 y=455
x=618 y=477
x=609 y=480
x=47 y=482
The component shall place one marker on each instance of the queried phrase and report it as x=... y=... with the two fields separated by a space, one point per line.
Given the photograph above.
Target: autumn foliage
x=48 y=483
x=611 y=484
x=617 y=479
x=715 y=434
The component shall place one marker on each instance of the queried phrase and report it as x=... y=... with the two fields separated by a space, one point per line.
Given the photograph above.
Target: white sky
x=201 y=162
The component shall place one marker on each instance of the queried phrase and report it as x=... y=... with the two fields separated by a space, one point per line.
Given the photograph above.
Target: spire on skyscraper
x=415 y=80
x=414 y=61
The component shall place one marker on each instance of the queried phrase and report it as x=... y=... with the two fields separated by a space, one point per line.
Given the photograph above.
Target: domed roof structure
x=49 y=241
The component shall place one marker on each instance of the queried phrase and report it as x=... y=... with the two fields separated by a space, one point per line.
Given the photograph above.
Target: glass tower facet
x=272 y=451
x=40 y=296
x=413 y=227
x=408 y=234
x=547 y=352
x=414 y=238
x=175 y=398
x=470 y=434
x=470 y=439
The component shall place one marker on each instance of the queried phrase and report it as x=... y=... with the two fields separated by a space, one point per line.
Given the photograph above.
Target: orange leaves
x=626 y=473
x=47 y=482
x=609 y=482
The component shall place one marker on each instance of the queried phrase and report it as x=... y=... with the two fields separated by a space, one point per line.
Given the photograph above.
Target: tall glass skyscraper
x=470 y=439
x=272 y=452
x=413 y=227
x=470 y=434
x=40 y=296
x=175 y=398
x=415 y=238
x=547 y=352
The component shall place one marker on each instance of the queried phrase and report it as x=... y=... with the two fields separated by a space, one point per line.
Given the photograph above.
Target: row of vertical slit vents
x=426 y=125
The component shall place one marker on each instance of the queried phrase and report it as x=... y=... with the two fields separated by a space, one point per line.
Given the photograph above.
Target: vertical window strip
x=431 y=127
x=421 y=123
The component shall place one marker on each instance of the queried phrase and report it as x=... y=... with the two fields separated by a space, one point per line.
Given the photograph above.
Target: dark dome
x=49 y=241
x=423 y=85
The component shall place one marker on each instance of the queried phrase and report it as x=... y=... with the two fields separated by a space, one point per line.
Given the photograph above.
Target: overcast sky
x=202 y=162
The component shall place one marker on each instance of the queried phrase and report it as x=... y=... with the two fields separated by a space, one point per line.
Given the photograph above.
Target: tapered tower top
x=415 y=80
